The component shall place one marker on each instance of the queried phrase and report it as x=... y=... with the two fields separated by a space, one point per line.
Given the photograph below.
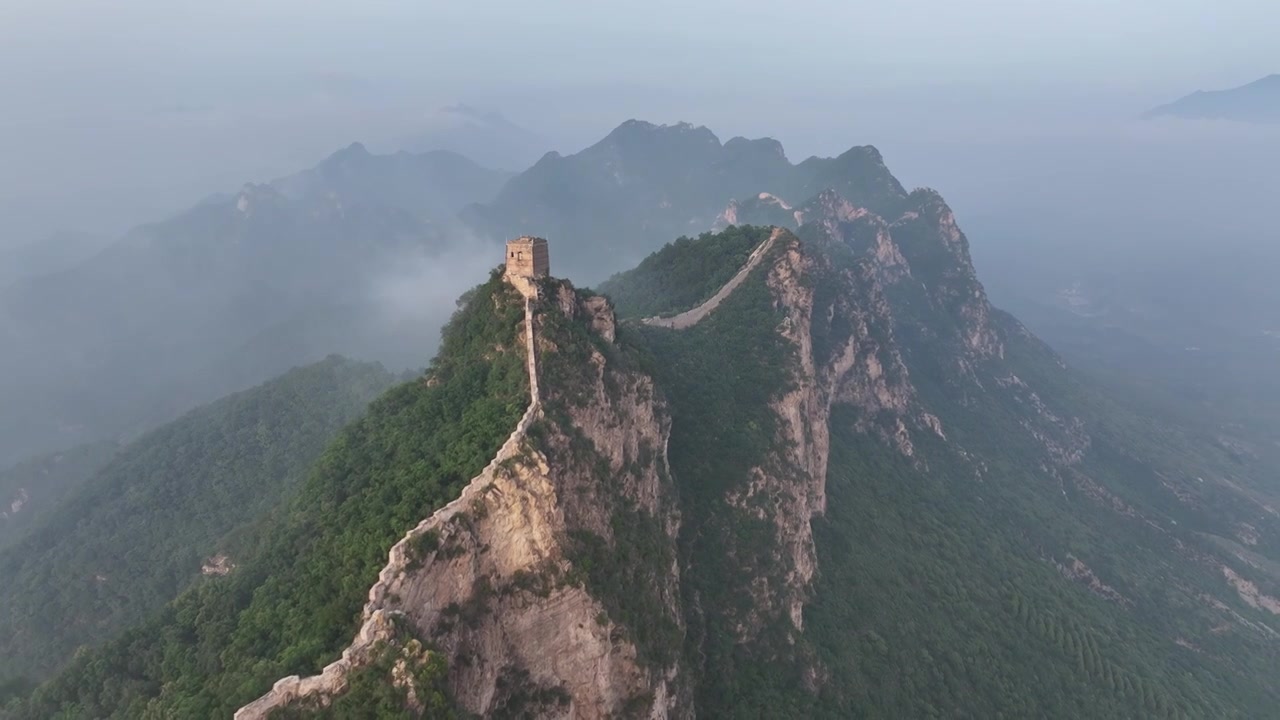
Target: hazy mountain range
x=800 y=470
x=360 y=255
x=342 y=257
x=797 y=466
x=485 y=136
x=614 y=202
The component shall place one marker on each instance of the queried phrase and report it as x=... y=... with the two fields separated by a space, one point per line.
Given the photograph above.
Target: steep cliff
x=860 y=357
x=754 y=372
x=515 y=584
x=810 y=472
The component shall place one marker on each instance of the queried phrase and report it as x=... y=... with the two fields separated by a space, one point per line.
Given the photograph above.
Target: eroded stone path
x=692 y=317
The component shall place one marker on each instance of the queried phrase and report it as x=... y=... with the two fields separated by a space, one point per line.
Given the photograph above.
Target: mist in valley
x=1084 y=217
x=226 y=230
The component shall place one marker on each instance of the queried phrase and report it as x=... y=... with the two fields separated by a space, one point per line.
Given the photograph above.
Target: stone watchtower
x=527 y=261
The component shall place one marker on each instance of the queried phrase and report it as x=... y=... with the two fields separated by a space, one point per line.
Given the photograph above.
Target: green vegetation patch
x=720 y=377
x=38 y=485
x=399 y=678
x=137 y=533
x=938 y=598
x=295 y=603
x=683 y=273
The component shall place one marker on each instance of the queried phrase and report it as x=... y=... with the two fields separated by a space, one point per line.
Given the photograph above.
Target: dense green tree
x=131 y=537
x=294 y=600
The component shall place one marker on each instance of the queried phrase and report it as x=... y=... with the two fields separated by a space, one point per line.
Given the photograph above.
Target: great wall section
x=378 y=621
x=693 y=316
x=378 y=625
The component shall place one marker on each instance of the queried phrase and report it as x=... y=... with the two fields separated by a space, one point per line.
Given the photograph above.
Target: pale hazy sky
x=138 y=105
x=458 y=45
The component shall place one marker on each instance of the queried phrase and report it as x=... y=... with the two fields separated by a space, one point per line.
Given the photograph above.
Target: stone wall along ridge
x=692 y=317
x=378 y=625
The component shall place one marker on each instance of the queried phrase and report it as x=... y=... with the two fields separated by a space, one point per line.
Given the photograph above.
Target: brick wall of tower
x=526 y=260
x=527 y=256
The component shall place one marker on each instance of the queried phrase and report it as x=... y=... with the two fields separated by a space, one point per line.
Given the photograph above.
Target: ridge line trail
x=376 y=623
x=693 y=316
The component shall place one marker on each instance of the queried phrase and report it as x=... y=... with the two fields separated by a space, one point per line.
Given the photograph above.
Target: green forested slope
x=132 y=536
x=939 y=591
x=33 y=488
x=719 y=377
x=1053 y=553
x=295 y=598
x=683 y=273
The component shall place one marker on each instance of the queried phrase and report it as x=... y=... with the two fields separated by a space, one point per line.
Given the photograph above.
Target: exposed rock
x=1064 y=439
x=1247 y=533
x=829 y=209
x=376 y=626
x=932 y=422
x=219 y=565
x=1075 y=569
x=938 y=254
x=489 y=580
x=763 y=209
x=19 y=501
x=788 y=488
x=1103 y=496
x=1249 y=592
x=495 y=595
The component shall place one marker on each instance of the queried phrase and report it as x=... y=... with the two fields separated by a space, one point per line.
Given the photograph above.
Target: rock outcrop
x=504 y=594
x=505 y=582
x=856 y=364
x=376 y=627
x=495 y=582
x=938 y=255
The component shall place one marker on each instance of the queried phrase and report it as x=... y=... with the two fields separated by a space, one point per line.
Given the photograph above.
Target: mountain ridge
x=644 y=184
x=846 y=486
x=853 y=337
x=1257 y=101
x=201 y=284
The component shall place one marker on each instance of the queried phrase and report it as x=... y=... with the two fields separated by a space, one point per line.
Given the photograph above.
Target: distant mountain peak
x=353 y=153
x=636 y=129
x=863 y=152
x=256 y=195
x=1257 y=101
x=645 y=183
x=764 y=146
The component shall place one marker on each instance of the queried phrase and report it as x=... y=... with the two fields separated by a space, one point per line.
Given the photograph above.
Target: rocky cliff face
x=915 y=277
x=500 y=582
x=564 y=582
x=504 y=595
x=938 y=253
x=852 y=364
